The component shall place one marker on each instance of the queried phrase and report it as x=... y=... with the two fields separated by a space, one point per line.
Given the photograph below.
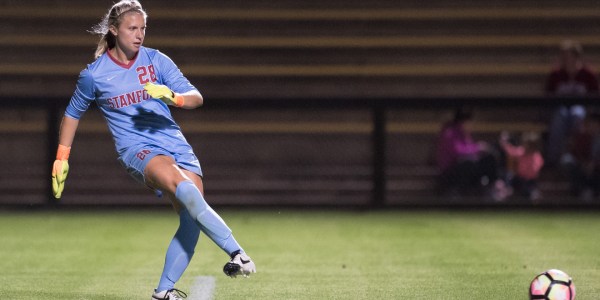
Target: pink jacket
x=528 y=164
x=454 y=144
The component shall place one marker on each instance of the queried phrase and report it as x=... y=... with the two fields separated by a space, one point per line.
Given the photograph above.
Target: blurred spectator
x=525 y=164
x=465 y=165
x=583 y=159
x=573 y=77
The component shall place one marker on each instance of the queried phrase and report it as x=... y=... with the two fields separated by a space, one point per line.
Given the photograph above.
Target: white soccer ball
x=552 y=285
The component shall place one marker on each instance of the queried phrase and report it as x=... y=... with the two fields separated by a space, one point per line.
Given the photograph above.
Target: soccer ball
x=552 y=285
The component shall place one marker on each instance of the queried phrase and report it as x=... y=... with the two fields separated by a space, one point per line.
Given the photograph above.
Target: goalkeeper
x=134 y=86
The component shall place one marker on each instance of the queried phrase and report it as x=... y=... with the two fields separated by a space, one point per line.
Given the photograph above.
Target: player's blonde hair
x=113 y=18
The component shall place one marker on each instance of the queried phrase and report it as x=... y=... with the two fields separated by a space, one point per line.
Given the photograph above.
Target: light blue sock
x=214 y=227
x=180 y=251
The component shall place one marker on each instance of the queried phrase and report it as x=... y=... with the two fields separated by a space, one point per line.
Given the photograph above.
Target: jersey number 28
x=146 y=74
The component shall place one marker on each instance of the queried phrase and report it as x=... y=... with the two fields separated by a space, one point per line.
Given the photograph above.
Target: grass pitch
x=415 y=254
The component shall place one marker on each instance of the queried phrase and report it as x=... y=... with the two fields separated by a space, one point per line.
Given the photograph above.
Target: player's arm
x=188 y=100
x=68 y=127
x=60 y=168
x=192 y=99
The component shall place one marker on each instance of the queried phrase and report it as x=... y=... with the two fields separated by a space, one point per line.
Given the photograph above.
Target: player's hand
x=60 y=169
x=163 y=93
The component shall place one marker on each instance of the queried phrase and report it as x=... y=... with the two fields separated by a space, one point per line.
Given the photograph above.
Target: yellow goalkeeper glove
x=163 y=93
x=60 y=169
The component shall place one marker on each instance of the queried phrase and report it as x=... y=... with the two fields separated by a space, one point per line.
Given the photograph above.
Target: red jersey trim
x=122 y=65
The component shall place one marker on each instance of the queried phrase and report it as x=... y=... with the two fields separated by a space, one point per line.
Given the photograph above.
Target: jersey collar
x=120 y=64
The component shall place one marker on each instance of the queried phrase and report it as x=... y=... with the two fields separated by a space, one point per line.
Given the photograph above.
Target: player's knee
x=189 y=196
x=163 y=173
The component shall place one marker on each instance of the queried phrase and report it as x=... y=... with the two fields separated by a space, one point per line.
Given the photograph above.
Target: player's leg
x=163 y=173
x=240 y=263
x=179 y=253
x=182 y=246
x=224 y=240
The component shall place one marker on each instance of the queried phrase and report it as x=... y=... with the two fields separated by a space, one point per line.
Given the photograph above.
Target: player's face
x=131 y=32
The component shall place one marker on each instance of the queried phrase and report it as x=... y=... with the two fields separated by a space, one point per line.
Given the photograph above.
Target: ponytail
x=106 y=42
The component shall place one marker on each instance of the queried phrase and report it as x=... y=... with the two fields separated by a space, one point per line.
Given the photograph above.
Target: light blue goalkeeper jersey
x=133 y=116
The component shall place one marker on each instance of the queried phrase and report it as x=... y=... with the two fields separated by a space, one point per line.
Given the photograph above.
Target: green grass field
x=308 y=254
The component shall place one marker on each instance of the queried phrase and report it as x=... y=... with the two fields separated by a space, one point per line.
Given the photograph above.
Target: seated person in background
x=527 y=162
x=573 y=77
x=582 y=162
x=464 y=164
